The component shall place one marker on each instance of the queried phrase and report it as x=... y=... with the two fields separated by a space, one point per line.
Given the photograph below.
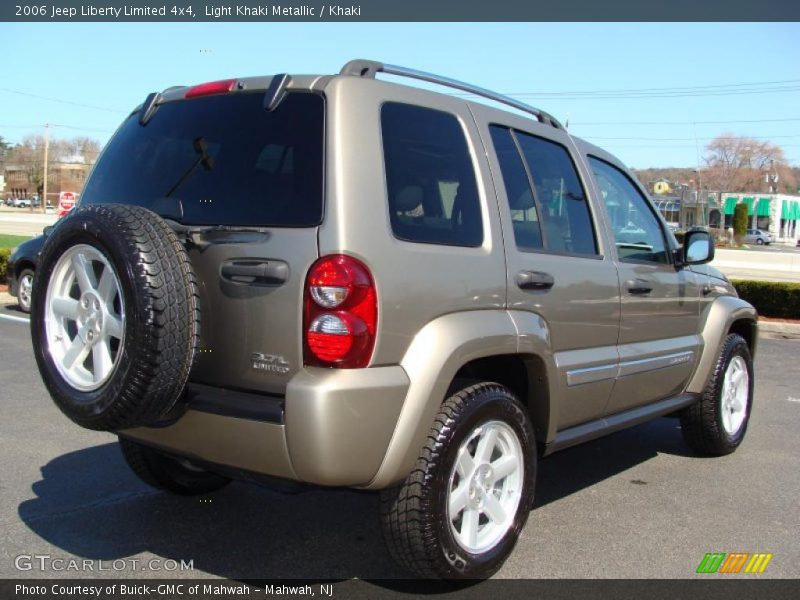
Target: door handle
x=255 y=271
x=534 y=280
x=639 y=286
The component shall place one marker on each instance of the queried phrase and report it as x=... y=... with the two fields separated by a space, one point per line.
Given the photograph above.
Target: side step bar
x=606 y=425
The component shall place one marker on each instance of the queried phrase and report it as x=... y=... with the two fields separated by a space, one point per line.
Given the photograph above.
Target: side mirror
x=48 y=230
x=698 y=248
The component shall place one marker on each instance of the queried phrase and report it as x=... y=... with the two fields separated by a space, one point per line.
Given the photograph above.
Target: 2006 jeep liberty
x=343 y=281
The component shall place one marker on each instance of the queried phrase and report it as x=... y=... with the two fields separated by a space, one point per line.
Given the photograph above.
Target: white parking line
x=15 y=319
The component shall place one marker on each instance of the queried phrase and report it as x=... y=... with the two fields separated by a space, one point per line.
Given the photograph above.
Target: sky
x=691 y=81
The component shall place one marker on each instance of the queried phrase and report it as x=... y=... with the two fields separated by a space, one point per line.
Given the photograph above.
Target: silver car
x=758 y=236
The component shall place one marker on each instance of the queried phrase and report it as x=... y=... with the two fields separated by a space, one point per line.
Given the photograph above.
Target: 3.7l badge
x=269 y=362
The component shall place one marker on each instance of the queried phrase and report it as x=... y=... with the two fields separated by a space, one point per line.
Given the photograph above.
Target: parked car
x=758 y=236
x=21 y=202
x=22 y=266
x=396 y=290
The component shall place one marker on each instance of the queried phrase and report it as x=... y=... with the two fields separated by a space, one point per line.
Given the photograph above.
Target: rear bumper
x=332 y=427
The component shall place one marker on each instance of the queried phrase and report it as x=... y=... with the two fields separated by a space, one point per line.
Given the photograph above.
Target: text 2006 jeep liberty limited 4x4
x=342 y=281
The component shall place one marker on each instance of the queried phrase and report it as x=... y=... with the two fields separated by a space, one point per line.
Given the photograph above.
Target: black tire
x=161 y=325
x=24 y=302
x=414 y=514
x=702 y=422
x=760 y=242
x=167 y=473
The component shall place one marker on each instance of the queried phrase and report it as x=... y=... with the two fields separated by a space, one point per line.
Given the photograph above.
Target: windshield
x=219 y=160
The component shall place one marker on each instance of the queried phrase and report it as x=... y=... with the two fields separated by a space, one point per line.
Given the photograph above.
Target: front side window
x=430 y=179
x=637 y=232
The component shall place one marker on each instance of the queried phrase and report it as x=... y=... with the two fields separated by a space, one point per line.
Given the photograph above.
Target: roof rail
x=369 y=68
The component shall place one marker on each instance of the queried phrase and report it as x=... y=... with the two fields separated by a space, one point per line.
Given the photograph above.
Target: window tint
x=636 y=230
x=222 y=159
x=433 y=196
x=566 y=222
x=524 y=218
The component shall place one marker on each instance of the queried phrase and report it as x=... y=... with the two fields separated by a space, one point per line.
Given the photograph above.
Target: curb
x=780 y=328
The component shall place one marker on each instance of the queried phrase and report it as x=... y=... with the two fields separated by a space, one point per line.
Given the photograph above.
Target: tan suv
x=342 y=281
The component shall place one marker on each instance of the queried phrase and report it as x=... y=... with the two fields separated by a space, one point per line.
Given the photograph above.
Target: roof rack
x=369 y=68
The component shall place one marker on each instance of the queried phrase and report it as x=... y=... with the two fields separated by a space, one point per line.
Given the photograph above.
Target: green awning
x=749 y=202
x=784 y=210
x=730 y=205
x=795 y=211
x=763 y=207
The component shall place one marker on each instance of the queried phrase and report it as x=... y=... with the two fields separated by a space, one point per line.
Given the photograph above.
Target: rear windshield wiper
x=203 y=158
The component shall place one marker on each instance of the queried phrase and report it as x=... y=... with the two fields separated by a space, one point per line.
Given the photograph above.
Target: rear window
x=223 y=160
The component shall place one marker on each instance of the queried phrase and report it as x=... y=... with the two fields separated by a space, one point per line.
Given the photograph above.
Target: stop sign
x=66 y=200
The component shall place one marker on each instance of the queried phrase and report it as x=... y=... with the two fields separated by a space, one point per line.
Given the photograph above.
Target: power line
x=690 y=139
x=76 y=127
x=645 y=95
x=731 y=122
x=60 y=101
x=668 y=89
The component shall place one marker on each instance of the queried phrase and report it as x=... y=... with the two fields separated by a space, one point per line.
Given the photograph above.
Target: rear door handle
x=255 y=271
x=639 y=286
x=534 y=280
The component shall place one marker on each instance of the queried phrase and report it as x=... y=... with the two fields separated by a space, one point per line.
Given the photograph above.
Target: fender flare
x=715 y=323
x=432 y=360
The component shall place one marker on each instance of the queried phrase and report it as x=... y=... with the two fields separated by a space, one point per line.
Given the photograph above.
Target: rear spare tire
x=115 y=323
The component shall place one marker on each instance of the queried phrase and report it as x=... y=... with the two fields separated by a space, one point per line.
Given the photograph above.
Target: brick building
x=61 y=177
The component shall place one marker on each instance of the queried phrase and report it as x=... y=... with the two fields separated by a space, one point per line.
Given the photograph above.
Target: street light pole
x=46 y=151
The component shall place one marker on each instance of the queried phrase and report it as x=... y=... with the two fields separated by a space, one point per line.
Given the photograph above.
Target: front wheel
x=460 y=511
x=760 y=242
x=717 y=423
x=25 y=290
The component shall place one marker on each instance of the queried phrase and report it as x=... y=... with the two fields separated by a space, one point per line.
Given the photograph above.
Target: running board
x=595 y=429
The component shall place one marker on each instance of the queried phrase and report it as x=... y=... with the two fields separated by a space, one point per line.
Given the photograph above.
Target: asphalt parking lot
x=636 y=504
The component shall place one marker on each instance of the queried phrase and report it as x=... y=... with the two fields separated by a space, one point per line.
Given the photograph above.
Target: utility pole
x=46 y=151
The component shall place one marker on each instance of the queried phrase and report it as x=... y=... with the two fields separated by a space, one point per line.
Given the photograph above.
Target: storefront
x=776 y=213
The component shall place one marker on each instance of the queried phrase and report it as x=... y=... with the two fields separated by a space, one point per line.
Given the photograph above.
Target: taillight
x=340 y=313
x=212 y=87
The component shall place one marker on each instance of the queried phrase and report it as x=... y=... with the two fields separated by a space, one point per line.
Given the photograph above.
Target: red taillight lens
x=340 y=313
x=212 y=87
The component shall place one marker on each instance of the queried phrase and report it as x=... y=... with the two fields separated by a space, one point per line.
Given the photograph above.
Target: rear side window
x=431 y=186
x=524 y=217
x=565 y=216
x=220 y=160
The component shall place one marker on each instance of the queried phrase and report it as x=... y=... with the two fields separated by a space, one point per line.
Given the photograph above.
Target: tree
x=28 y=156
x=4 y=149
x=740 y=164
x=740 y=220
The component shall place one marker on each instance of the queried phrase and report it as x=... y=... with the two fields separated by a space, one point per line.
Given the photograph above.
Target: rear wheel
x=460 y=511
x=760 y=242
x=171 y=474
x=25 y=290
x=716 y=425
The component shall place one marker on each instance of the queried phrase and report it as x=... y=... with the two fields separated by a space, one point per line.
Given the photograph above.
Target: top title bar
x=398 y=10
